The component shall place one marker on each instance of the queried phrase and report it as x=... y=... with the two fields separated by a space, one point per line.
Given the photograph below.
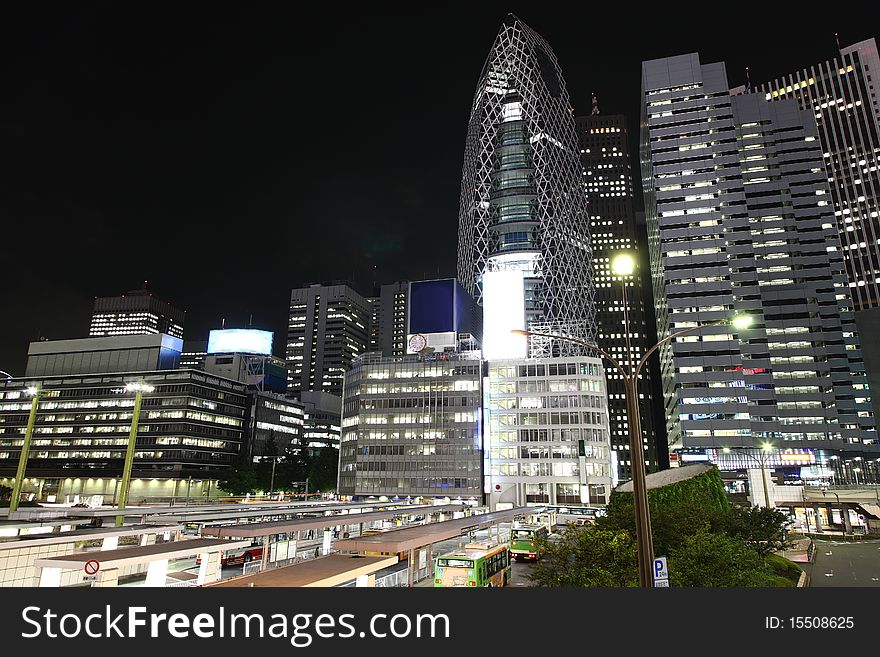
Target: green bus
x=478 y=564
x=523 y=541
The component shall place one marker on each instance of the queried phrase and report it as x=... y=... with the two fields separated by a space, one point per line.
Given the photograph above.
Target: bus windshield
x=523 y=533
x=455 y=563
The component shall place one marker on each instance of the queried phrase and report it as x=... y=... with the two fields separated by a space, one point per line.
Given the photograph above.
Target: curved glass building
x=523 y=207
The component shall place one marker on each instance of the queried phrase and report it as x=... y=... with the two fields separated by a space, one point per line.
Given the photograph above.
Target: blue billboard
x=432 y=306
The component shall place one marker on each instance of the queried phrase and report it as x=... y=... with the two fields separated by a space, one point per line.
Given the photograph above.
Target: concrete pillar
x=817 y=517
x=209 y=568
x=328 y=540
x=110 y=543
x=366 y=580
x=106 y=578
x=50 y=577
x=410 y=568
x=844 y=513
x=266 y=550
x=156 y=572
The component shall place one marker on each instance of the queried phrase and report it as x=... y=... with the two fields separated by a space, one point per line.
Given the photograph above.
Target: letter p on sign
x=661 y=571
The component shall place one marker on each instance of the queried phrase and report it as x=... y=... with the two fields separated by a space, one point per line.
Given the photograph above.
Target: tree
x=587 y=557
x=323 y=469
x=240 y=479
x=763 y=529
x=717 y=560
x=678 y=510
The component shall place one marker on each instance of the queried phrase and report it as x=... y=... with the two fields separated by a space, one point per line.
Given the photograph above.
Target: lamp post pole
x=644 y=538
x=139 y=390
x=34 y=391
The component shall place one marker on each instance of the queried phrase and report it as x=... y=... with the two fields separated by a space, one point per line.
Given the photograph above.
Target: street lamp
x=138 y=388
x=34 y=393
x=764 y=453
x=623 y=264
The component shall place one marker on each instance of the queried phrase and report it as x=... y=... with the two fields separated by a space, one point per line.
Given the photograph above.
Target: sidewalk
x=798 y=552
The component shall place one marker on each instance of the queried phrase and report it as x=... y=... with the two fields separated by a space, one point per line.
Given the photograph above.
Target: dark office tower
x=523 y=216
x=374 y=303
x=739 y=222
x=604 y=150
x=842 y=96
x=135 y=313
x=392 y=330
x=328 y=328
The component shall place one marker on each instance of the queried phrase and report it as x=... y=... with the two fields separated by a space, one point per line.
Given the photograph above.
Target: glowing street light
x=623 y=264
x=138 y=388
x=34 y=393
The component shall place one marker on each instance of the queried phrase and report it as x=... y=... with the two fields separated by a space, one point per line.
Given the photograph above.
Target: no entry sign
x=91 y=567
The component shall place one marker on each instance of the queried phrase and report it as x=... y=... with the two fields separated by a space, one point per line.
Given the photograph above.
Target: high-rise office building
x=740 y=221
x=134 y=313
x=842 y=95
x=523 y=225
x=604 y=149
x=328 y=328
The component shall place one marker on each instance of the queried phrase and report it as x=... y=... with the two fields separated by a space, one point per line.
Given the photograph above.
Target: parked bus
x=523 y=541
x=478 y=564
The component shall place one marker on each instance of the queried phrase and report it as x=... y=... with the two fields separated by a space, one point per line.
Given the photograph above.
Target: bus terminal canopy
x=196 y=515
x=413 y=538
x=331 y=570
x=257 y=529
x=143 y=554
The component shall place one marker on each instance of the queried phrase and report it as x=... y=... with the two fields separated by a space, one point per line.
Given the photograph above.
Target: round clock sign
x=418 y=342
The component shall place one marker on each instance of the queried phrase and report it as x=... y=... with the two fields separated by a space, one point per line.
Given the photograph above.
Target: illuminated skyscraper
x=604 y=151
x=137 y=312
x=739 y=221
x=328 y=327
x=842 y=95
x=523 y=211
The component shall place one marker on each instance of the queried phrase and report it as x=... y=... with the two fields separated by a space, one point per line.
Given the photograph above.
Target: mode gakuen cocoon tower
x=523 y=210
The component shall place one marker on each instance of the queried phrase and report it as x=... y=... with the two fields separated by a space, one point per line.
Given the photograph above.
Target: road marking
x=828 y=554
x=831 y=574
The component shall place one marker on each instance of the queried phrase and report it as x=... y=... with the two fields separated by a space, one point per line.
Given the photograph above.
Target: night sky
x=228 y=156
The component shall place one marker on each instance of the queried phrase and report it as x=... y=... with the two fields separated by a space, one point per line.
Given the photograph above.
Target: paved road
x=845 y=564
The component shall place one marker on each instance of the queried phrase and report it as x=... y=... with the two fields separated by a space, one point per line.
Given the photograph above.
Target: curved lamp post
x=34 y=392
x=138 y=388
x=623 y=265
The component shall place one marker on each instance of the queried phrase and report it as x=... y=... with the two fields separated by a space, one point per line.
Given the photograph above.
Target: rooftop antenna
x=222 y=322
x=595 y=111
x=837 y=39
x=748 y=80
x=251 y=321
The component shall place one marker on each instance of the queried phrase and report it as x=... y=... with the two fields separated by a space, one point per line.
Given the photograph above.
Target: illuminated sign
x=240 y=341
x=503 y=312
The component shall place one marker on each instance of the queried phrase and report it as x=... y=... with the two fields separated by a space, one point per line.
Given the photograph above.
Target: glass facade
x=411 y=427
x=546 y=432
x=191 y=425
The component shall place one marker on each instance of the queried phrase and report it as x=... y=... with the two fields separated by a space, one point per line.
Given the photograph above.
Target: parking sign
x=661 y=572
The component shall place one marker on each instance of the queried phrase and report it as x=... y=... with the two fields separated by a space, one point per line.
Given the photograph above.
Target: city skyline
x=174 y=192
